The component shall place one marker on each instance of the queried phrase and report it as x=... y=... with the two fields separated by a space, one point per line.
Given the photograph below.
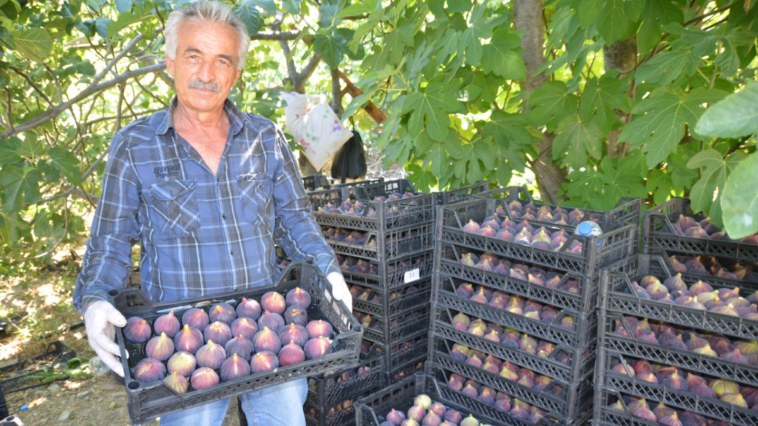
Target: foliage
x=461 y=96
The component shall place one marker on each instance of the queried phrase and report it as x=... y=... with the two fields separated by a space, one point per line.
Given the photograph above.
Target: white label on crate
x=413 y=275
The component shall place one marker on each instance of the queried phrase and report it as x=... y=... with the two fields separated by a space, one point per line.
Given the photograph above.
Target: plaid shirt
x=201 y=233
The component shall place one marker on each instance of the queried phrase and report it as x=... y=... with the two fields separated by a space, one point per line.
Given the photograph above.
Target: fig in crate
x=183 y=363
x=177 y=382
x=222 y=312
x=218 y=332
x=296 y=315
x=249 y=308
x=319 y=328
x=188 y=339
x=291 y=354
x=294 y=332
x=240 y=346
x=196 y=318
x=264 y=361
x=234 y=368
x=204 y=378
x=318 y=347
x=245 y=327
x=267 y=341
x=298 y=297
x=160 y=347
x=137 y=330
x=149 y=370
x=273 y=302
x=167 y=323
x=211 y=355
x=271 y=320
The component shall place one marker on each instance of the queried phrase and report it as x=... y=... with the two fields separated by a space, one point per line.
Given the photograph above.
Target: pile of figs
x=496 y=399
x=741 y=351
x=702 y=386
x=663 y=414
x=428 y=413
x=368 y=294
x=507 y=337
x=544 y=213
x=489 y=262
x=361 y=266
x=701 y=295
x=505 y=369
x=408 y=371
x=358 y=208
x=722 y=268
x=522 y=233
x=513 y=304
x=341 y=378
x=352 y=237
x=224 y=343
x=688 y=226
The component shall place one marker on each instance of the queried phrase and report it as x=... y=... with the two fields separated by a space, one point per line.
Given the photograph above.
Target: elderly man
x=205 y=188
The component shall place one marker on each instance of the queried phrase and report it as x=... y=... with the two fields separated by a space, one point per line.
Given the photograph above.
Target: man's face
x=205 y=67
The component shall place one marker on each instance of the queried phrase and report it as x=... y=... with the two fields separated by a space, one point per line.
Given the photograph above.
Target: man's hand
x=99 y=319
x=340 y=290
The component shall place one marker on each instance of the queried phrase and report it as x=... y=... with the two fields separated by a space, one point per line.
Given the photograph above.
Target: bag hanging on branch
x=350 y=161
x=314 y=126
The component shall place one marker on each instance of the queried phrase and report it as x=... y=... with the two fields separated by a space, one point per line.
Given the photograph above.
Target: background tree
x=597 y=99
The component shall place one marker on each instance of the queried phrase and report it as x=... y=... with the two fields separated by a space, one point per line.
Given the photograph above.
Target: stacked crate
x=542 y=353
x=640 y=331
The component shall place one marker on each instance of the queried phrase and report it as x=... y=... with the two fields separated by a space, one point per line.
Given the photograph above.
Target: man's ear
x=170 y=65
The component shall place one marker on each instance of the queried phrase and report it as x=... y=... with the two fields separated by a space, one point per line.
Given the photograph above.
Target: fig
x=675 y=381
x=264 y=361
x=437 y=409
x=662 y=411
x=249 y=308
x=642 y=366
x=689 y=418
x=508 y=374
x=149 y=370
x=527 y=382
x=699 y=288
x=670 y=420
x=703 y=390
x=293 y=332
x=296 y=315
x=137 y=330
x=196 y=318
x=469 y=421
x=168 y=324
x=211 y=355
x=183 y=363
x=271 y=320
x=693 y=380
x=273 y=302
x=723 y=387
x=218 y=332
x=177 y=382
x=455 y=384
x=298 y=297
x=452 y=416
x=160 y=347
x=675 y=283
x=624 y=368
x=734 y=398
x=676 y=343
x=204 y=378
x=726 y=293
x=735 y=356
x=470 y=391
x=473 y=227
x=189 y=339
x=233 y=368
x=240 y=346
x=657 y=291
x=409 y=422
x=222 y=312
x=431 y=419
x=705 y=350
x=244 y=327
x=416 y=413
x=319 y=328
x=647 y=377
x=748 y=347
x=318 y=347
x=291 y=354
x=395 y=417
x=644 y=412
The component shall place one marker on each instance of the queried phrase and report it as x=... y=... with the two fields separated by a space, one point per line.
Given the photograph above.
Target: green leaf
x=19 y=186
x=123 y=21
x=331 y=48
x=12 y=228
x=458 y=6
x=268 y=5
x=612 y=21
x=733 y=117
x=739 y=202
x=589 y=11
x=660 y=185
x=356 y=9
x=292 y=6
x=662 y=127
x=123 y=6
x=603 y=96
x=8 y=148
x=500 y=58
x=433 y=105
x=7 y=38
x=479 y=27
x=575 y=140
x=34 y=44
x=423 y=179
x=101 y=26
x=250 y=16
x=716 y=170
x=552 y=102
x=67 y=163
x=505 y=128
x=633 y=9
x=30 y=147
x=667 y=66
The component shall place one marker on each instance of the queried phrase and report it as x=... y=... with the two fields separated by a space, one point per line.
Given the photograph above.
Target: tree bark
x=527 y=16
x=622 y=55
x=336 y=92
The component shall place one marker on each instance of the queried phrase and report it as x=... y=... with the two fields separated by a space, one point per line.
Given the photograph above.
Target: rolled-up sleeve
x=115 y=229
x=295 y=229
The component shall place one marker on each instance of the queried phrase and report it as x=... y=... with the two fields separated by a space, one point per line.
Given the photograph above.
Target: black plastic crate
x=311 y=183
x=394 y=274
x=628 y=209
x=401 y=372
x=462 y=194
x=367 y=190
x=397 y=329
x=359 y=183
x=673 y=398
x=370 y=411
x=400 y=355
x=617 y=298
x=580 y=362
x=658 y=236
x=332 y=388
x=385 y=246
x=618 y=241
x=151 y=400
x=583 y=301
x=745 y=374
x=340 y=414
x=604 y=415
x=401 y=300
x=580 y=335
x=711 y=279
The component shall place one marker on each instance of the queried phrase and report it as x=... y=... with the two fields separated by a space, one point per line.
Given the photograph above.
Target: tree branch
x=336 y=92
x=276 y=35
x=31 y=83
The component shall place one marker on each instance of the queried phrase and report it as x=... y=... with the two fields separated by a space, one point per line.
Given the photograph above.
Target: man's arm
x=296 y=230
x=108 y=259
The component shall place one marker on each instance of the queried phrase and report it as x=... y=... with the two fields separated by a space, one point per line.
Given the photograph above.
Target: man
x=205 y=188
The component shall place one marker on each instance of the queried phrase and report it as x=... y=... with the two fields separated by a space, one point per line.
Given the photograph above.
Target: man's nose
x=206 y=74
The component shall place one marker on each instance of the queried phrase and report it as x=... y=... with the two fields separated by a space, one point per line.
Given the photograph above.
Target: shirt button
x=260 y=186
x=223 y=216
x=232 y=252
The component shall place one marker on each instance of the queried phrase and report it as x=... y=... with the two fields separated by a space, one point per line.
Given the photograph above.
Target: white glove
x=99 y=319
x=340 y=290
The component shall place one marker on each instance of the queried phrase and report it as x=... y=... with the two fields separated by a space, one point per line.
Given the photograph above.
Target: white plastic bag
x=314 y=125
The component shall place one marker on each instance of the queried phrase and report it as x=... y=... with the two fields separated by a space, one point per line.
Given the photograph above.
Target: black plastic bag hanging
x=350 y=161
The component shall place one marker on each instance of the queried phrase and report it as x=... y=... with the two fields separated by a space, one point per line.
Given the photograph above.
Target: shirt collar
x=236 y=117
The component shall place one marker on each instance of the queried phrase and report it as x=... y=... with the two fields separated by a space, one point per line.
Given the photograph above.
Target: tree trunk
x=527 y=16
x=622 y=55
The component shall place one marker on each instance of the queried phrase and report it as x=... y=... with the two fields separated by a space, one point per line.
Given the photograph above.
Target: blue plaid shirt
x=201 y=233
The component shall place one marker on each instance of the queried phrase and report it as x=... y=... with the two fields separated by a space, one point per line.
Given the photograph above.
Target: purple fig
x=182 y=363
x=472 y=227
x=222 y=312
x=188 y=339
x=196 y=318
x=264 y=361
x=204 y=378
x=137 y=330
x=160 y=347
x=168 y=324
x=149 y=370
x=177 y=382
x=249 y=308
x=298 y=297
x=218 y=332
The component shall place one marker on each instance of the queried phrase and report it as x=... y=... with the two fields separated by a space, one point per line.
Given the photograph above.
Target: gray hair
x=209 y=11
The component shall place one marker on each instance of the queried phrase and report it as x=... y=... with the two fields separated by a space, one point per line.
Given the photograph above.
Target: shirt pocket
x=255 y=194
x=175 y=211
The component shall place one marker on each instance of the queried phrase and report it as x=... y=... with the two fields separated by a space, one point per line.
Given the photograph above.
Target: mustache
x=197 y=84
